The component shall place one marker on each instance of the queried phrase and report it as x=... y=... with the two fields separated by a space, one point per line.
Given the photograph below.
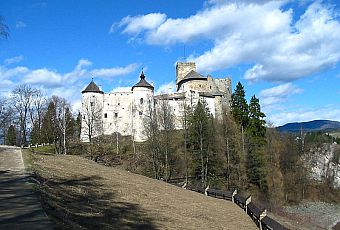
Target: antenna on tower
x=184 y=52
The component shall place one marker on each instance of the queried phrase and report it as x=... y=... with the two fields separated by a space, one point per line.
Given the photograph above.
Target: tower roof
x=143 y=83
x=192 y=75
x=92 y=88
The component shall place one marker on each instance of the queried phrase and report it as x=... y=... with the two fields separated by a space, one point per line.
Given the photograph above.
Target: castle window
x=118 y=103
x=141 y=101
x=108 y=104
x=140 y=112
x=92 y=103
x=105 y=115
x=210 y=87
x=116 y=115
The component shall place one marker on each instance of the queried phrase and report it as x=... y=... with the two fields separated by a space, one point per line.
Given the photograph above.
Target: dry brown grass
x=80 y=194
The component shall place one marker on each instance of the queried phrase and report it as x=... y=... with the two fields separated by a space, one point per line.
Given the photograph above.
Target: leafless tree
x=152 y=131
x=186 y=112
x=22 y=97
x=63 y=118
x=37 y=110
x=167 y=125
x=92 y=118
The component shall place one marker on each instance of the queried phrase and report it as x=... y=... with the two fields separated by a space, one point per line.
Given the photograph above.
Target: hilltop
x=81 y=194
x=310 y=126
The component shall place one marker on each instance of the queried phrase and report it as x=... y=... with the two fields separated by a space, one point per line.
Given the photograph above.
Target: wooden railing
x=259 y=216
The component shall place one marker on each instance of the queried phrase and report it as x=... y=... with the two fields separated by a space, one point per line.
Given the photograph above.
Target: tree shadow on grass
x=84 y=203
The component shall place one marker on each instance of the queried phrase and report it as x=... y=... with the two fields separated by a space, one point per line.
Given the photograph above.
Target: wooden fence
x=259 y=216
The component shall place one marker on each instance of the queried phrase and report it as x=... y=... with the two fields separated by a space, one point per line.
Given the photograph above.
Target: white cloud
x=166 y=88
x=262 y=33
x=13 y=60
x=5 y=84
x=44 y=77
x=83 y=63
x=281 y=90
x=116 y=71
x=52 y=82
x=6 y=73
x=136 y=24
x=331 y=112
x=20 y=24
x=278 y=94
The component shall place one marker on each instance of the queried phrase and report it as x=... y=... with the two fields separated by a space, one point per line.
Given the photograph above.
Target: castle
x=124 y=112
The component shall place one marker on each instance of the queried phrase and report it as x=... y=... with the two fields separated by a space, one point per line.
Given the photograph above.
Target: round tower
x=92 y=112
x=142 y=104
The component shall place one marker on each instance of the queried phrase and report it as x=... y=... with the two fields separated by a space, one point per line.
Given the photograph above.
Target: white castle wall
x=125 y=112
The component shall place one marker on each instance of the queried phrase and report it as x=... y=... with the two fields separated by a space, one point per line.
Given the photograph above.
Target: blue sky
x=285 y=52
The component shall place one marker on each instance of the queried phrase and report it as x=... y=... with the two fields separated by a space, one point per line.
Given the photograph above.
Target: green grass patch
x=44 y=149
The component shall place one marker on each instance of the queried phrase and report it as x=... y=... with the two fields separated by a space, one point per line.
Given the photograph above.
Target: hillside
x=81 y=194
x=310 y=126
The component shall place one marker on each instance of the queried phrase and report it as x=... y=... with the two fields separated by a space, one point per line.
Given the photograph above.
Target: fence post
x=248 y=200
x=262 y=215
x=206 y=191
x=232 y=196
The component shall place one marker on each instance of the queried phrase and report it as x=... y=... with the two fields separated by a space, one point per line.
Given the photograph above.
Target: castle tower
x=182 y=69
x=92 y=112
x=141 y=104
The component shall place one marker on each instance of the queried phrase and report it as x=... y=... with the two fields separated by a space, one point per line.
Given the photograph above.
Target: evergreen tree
x=201 y=136
x=78 y=126
x=256 y=134
x=11 y=137
x=48 y=125
x=239 y=106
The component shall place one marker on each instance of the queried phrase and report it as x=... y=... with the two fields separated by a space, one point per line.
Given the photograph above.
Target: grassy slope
x=80 y=194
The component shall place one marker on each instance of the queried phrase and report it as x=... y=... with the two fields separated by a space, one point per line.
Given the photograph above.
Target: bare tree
x=186 y=113
x=92 y=118
x=37 y=110
x=63 y=119
x=167 y=124
x=22 y=97
x=152 y=131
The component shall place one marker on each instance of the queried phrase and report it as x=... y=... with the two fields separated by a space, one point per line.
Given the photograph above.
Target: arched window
x=141 y=101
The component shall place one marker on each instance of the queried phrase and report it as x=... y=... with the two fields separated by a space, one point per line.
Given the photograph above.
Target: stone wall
x=183 y=68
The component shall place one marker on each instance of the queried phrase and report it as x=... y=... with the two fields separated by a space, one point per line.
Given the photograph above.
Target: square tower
x=182 y=69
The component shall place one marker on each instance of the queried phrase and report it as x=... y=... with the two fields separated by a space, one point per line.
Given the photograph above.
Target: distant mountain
x=310 y=126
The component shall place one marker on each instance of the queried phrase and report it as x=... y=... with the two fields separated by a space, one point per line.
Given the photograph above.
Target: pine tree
x=239 y=106
x=11 y=137
x=256 y=134
x=48 y=125
x=78 y=126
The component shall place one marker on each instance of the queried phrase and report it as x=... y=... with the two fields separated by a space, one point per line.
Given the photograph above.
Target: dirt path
x=19 y=206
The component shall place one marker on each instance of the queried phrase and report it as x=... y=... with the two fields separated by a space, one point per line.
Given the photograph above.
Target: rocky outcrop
x=324 y=165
